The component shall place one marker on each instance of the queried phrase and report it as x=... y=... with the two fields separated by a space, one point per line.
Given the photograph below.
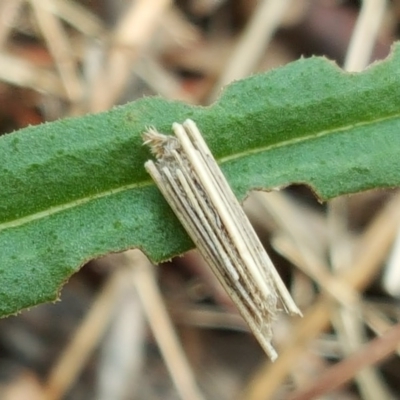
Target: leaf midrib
x=81 y=201
x=65 y=206
x=305 y=138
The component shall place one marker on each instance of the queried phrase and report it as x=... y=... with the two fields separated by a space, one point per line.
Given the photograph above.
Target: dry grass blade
x=86 y=338
x=315 y=269
x=375 y=351
x=26 y=386
x=9 y=10
x=300 y=222
x=178 y=366
x=373 y=248
x=345 y=295
x=76 y=15
x=130 y=36
x=20 y=72
x=161 y=81
x=59 y=45
x=391 y=277
x=365 y=34
x=378 y=321
x=265 y=20
x=122 y=351
x=352 y=335
x=177 y=30
x=206 y=317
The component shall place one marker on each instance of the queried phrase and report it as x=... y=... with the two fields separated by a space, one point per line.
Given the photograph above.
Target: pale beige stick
x=377 y=321
x=391 y=276
x=143 y=278
x=266 y=19
x=304 y=225
x=76 y=15
x=21 y=72
x=86 y=338
x=365 y=34
x=297 y=248
x=161 y=81
x=9 y=11
x=208 y=317
x=202 y=8
x=318 y=272
x=119 y=365
x=134 y=31
x=138 y=23
x=176 y=31
x=58 y=42
x=298 y=220
x=372 y=250
x=20 y=383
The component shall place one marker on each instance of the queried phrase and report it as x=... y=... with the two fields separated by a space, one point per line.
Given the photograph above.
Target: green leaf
x=76 y=189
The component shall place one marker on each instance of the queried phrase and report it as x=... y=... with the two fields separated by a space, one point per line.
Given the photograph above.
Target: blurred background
x=171 y=332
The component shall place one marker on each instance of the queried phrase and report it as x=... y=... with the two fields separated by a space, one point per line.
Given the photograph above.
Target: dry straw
x=192 y=183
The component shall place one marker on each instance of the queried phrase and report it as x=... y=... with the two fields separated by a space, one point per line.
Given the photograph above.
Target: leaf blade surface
x=76 y=189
